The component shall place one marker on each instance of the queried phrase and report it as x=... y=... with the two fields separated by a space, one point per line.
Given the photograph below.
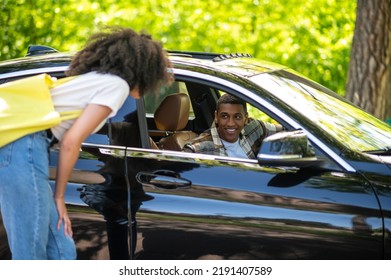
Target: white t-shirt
x=90 y=88
x=234 y=149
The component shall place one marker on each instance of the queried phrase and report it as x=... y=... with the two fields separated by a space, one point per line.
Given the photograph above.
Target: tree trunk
x=369 y=77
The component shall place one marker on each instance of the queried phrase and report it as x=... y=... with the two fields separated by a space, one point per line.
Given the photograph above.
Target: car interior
x=172 y=117
x=179 y=113
x=183 y=111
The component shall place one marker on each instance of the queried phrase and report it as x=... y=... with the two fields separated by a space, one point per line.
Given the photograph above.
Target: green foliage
x=312 y=37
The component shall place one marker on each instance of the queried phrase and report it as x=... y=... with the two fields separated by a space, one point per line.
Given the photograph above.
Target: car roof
x=238 y=64
x=30 y=64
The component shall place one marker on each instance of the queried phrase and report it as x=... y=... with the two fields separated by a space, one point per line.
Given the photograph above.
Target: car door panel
x=236 y=210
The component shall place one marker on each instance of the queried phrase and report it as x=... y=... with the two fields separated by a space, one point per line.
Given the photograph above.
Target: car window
x=254 y=134
x=255 y=113
x=152 y=101
x=344 y=122
x=121 y=130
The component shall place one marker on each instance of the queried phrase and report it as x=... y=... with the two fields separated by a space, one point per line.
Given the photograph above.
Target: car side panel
x=242 y=211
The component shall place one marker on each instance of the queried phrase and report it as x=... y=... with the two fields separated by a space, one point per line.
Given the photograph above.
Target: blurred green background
x=313 y=37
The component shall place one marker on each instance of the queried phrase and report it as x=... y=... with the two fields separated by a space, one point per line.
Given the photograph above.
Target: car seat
x=172 y=116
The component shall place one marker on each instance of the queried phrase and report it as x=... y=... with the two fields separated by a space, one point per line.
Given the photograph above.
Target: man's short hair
x=230 y=99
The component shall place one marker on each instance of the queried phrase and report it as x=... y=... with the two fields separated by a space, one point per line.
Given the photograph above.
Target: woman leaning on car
x=111 y=66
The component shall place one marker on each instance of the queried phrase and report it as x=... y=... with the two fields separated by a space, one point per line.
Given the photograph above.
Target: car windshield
x=348 y=124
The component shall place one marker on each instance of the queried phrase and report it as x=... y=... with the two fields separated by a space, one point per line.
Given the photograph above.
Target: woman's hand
x=63 y=216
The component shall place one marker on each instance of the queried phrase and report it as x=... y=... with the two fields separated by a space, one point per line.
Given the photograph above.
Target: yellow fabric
x=26 y=107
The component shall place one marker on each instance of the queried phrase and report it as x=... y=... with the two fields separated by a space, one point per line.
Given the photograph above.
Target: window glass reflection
x=343 y=121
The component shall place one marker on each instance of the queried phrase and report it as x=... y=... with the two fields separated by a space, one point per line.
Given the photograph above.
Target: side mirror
x=288 y=148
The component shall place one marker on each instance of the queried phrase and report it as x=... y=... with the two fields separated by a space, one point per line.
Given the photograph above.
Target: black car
x=333 y=202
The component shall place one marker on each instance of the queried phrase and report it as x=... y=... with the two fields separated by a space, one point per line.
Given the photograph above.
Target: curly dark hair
x=135 y=57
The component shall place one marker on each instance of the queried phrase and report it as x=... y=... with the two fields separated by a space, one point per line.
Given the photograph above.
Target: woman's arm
x=70 y=146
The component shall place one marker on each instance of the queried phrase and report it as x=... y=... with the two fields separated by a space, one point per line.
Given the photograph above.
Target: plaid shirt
x=250 y=139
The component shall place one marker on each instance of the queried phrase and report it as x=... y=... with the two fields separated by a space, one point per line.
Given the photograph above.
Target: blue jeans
x=26 y=202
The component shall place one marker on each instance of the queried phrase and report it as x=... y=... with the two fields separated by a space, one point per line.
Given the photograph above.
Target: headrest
x=173 y=112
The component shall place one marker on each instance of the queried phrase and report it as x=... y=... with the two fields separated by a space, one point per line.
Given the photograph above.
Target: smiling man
x=232 y=133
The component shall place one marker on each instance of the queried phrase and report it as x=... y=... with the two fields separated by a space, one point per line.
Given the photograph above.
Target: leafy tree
x=312 y=37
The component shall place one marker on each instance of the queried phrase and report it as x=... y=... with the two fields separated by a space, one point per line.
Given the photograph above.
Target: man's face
x=230 y=119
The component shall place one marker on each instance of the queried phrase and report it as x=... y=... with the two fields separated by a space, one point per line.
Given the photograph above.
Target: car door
x=205 y=207
x=209 y=207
